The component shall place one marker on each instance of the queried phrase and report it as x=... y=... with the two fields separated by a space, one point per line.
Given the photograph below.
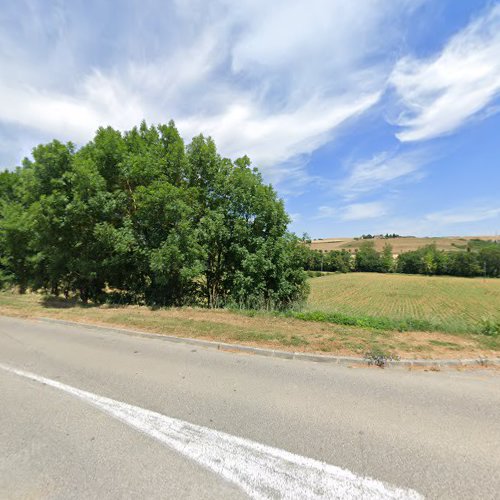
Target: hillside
x=399 y=245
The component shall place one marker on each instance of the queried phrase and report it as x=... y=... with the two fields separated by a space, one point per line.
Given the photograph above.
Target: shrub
x=490 y=327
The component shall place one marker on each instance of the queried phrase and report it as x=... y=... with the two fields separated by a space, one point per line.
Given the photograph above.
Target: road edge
x=301 y=356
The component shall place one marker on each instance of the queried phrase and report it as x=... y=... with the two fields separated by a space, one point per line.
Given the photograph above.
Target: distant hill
x=399 y=245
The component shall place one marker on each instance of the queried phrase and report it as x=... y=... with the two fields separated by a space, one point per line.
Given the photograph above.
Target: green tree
x=463 y=264
x=386 y=259
x=16 y=255
x=489 y=260
x=367 y=258
x=140 y=215
x=338 y=261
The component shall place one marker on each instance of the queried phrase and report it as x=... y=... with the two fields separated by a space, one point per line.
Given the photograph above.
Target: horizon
x=471 y=236
x=376 y=118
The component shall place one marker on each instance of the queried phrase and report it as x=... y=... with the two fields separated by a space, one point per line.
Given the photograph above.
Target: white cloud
x=440 y=94
x=351 y=212
x=380 y=170
x=361 y=211
x=100 y=101
x=460 y=216
x=479 y=218
x=325 y=35
x=273 y=138
x=325 y=212
x=272 y=81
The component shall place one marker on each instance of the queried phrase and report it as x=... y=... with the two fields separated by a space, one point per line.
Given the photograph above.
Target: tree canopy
x=139 y=216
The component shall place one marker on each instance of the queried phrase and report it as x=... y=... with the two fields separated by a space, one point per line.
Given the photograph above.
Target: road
x=90 y=413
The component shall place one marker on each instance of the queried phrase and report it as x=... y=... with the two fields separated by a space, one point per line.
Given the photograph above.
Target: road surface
x=89 y=413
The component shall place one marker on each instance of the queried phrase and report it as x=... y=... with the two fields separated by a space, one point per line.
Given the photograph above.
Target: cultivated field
x=399 y=245
x=452 y=304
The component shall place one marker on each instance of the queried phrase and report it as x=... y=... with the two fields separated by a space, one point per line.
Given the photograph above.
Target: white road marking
x=261 y=471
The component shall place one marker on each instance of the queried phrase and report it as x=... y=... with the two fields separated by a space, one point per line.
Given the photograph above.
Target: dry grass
x=261 y=330
x=399 y=245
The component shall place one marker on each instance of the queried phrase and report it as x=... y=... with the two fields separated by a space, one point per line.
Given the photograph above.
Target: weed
x=249 y=336
x=482 y=361
x=379 y=358
x=259 y=327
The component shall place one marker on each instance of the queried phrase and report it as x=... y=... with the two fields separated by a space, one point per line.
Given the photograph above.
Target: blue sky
x=367 y=116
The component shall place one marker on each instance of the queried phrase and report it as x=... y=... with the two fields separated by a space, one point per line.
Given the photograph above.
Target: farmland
x=399 y=245
x=449 y=303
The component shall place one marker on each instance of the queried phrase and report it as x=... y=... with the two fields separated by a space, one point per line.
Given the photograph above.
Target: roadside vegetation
x=258 y=328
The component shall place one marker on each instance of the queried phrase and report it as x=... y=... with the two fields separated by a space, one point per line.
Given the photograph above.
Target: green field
x=448 y=303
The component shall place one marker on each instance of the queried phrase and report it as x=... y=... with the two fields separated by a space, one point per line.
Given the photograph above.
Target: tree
x=139 y=214
x=463 y=264
x=489 y=260
x=409 y=263
x=367 y=258
x=338 y=261
x=426 y=260
x=386 y=259
x=15 y=245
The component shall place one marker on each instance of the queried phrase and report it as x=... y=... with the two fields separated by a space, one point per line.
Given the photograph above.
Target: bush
x=490 y=327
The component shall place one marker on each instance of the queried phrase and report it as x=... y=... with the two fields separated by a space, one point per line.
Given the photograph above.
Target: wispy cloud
x=273 y=81
x=479 y=218
x=361 y=211
x=380 y=170
x=440 y=94
x=351 y=212
x=462 y=215
x=100 y=101
x=275 y=138
x=326 y=212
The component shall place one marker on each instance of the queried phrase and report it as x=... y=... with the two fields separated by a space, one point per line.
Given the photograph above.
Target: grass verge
x=259 y=329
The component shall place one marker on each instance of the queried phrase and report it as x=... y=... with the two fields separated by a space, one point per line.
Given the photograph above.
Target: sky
x=371 y=116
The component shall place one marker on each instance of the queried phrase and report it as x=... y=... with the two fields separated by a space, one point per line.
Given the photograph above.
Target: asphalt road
x=87 y=413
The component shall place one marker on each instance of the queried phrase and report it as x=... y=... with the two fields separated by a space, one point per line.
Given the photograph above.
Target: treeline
x=140 y=217
x=479 y=259
x=483 y=261
x=385 y=236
